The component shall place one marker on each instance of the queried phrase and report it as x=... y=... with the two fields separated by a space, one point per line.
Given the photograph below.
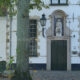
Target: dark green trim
x=59 y=4
x=32 y=66
x=75 y=67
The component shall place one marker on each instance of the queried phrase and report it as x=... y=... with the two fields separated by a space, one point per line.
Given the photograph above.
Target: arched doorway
x=58 y=43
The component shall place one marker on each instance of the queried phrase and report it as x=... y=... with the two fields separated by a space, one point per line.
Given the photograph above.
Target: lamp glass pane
x=43 y=22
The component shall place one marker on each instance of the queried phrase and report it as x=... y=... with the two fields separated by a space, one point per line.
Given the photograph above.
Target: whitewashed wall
x=14 y=38
x=2 y=38
x=69 y=10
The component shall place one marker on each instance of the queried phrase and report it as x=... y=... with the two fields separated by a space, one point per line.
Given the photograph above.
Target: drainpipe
x=11 y=19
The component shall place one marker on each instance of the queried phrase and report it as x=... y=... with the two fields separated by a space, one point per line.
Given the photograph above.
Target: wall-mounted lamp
x=73 y=36
x=74 y=52
x=43 y=23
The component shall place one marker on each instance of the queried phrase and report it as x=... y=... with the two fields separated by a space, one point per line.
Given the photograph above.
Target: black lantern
x=43 y=23
x=43 y=20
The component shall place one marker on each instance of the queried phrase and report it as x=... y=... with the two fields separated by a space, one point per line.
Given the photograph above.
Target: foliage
x=7 y=6
x=10 y=63
x=2 y=66
x=3 y=11
x=11 y=60
x=38 y=4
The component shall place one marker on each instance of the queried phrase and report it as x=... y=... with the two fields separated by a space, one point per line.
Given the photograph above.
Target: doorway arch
x=51 y=37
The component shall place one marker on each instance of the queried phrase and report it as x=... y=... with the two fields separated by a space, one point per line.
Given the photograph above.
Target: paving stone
x=56 y=75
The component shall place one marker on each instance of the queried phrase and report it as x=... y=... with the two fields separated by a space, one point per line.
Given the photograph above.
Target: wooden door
x=59 y=55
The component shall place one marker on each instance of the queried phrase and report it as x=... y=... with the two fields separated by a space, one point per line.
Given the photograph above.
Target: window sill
x=32 y=56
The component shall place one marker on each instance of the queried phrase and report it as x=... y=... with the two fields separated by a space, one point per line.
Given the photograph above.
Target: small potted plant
x=9 y=72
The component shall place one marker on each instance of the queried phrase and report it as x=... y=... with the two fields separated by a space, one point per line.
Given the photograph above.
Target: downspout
x=11 y=19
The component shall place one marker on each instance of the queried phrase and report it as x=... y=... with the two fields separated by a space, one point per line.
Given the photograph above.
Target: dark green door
x=59 y=55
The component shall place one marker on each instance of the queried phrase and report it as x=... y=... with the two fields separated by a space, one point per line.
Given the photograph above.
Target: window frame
x=32 y=39
x=51 y=3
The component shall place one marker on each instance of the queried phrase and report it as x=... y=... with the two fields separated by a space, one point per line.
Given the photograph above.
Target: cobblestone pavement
x=55 y=75
x=4 y=79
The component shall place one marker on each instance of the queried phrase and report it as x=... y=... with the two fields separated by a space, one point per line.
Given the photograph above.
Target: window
x=59 y=2
x=33 y=36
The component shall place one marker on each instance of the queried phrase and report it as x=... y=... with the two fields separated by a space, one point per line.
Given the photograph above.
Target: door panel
x=59 y=55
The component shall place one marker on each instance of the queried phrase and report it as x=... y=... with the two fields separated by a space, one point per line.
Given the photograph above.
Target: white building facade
x=60 y=48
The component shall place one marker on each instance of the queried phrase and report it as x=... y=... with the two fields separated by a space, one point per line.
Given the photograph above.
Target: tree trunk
x=22 y=70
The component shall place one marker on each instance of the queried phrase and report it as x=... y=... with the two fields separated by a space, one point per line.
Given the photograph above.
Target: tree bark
x=22 y=70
